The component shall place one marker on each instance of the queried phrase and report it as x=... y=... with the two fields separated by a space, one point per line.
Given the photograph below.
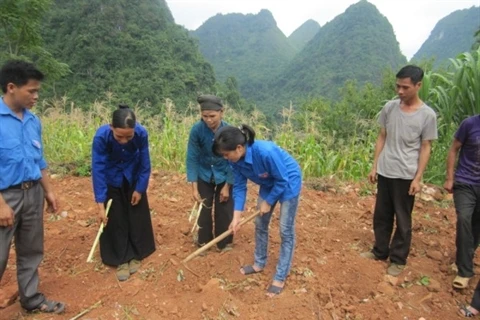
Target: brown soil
x=328 y=279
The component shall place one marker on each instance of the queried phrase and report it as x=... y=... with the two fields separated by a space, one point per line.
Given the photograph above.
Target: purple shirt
x=468 y=168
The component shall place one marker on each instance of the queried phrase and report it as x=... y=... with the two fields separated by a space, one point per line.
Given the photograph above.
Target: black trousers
x=467 y=206
x=128 y=234
x=223 y=214
x=393 y=204
x=476 y=297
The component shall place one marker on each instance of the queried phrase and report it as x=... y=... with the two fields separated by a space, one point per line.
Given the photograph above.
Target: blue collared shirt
x=112 y=161
x=271 y=167
x=201 y=162
x=21 y=148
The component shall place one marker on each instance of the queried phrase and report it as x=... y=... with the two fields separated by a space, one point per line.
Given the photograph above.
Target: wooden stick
x=217 y=239
x=84 y=312
x=100 y=230
x=195 y=225
x=192 y=212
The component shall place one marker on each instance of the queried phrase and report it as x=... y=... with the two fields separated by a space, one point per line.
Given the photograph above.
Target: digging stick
x=84 y=312
x=195 y=225
x=100 y=230
x=217 y=239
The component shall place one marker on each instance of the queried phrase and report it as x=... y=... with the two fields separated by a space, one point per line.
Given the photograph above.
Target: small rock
x=385 y=288
x=400 y=305
x=391 y=279
x=329 y=306
x=435 y=255
x=434 y=286
x=204 y=307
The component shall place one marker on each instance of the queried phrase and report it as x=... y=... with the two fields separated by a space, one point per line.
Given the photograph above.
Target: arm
x=239 y=197
x=99 y=161
x=425 y=151
x=193 y=152
x=52 y=203
x=6 y=214
x=382 y=136
x=279 y=173
x=145 y=166
x=451 y=157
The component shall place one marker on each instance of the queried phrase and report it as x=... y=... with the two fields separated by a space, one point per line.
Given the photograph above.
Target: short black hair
x=19 y=73
x=413 y=72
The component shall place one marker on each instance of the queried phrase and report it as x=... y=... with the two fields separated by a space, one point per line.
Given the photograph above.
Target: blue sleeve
x=145 y=166
x=279 y=173
x=230 y=178
x=239 y=191
x=42 y=163
x=193 y=153
x=99 y=161
x=462 y=132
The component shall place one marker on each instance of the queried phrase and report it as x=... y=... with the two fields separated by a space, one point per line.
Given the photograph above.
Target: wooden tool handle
x=217 y=239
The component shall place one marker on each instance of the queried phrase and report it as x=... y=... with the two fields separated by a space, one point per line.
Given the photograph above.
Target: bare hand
x=102 y=217
x=414 y=188
x=265 y=208
x=52 y=203
x=235 y=224
x=372 y=176
x=196 y=196
x=224 y=193
x=136 y=197
x=6 y=215
x=448 y=185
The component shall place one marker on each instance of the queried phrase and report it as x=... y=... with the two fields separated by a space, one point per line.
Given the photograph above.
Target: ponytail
x=228 y=138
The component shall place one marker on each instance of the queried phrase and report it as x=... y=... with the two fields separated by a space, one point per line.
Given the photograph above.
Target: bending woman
x=120 y=171
x=280 y=180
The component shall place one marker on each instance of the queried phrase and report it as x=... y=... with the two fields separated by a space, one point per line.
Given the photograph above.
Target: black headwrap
x=209 y=102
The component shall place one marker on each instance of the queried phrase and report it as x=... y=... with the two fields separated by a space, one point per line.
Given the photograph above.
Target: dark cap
x=210 y=102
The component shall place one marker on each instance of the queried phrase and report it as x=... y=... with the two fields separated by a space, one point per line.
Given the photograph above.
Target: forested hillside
x=249 y=47
x=300 y=37
x=357 y=45
x=132 y=52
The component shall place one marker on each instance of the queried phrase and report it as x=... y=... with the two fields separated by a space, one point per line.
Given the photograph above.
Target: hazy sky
x=412 y=20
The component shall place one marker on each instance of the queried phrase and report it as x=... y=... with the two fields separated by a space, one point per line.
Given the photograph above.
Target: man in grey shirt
x=402 y=151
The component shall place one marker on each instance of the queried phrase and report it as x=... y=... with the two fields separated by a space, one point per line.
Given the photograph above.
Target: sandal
x=274 y=290
x=464 y=311
x=460 y=282
x=49 y=306
x=249 y=270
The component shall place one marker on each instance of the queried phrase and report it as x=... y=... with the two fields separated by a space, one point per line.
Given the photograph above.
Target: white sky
x=412 y=20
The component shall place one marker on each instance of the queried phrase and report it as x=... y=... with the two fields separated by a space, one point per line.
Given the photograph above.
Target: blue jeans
x=288 y=211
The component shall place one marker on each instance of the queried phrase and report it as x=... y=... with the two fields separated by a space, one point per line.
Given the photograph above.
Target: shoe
x=134 y=265
x=395 y=269
x=123 y=272
x=369 y=255
x=460 y=282
x=227 y=248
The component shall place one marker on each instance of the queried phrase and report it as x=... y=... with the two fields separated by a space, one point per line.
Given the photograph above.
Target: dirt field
x=328 y=279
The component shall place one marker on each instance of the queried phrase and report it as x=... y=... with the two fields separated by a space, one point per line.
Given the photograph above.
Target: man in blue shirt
x=24 y=184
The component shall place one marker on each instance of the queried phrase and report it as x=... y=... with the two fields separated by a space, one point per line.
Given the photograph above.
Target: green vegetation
x=451 y=36
x=303 y=34
x=357 y=45
x=124 y=51
x=20 y=37
x=249 y=47
x=328 y=138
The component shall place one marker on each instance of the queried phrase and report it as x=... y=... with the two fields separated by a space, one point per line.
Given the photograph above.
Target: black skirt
x=128 y=234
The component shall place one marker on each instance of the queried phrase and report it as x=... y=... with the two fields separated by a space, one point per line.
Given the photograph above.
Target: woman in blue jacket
x=210 y=175
x=120 y=171
x=280 y=180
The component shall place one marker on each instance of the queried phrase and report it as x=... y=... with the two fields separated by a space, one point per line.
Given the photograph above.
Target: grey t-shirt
x=405 y=133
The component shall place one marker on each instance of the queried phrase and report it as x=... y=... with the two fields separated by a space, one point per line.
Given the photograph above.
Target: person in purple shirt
x=280 y=180
x=464 y=182
x=121 y=171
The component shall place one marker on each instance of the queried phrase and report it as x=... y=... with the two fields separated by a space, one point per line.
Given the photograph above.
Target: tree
x=20 y=38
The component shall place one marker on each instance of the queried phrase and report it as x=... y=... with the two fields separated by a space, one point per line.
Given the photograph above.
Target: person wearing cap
x=24 y=182
x=210 y=175
x=121 y=171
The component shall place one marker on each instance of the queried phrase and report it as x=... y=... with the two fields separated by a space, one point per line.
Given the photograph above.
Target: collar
x=5 y=110
x=248 y=154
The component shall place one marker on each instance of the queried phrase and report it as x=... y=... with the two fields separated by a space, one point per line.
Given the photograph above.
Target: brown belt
x=24 y=185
